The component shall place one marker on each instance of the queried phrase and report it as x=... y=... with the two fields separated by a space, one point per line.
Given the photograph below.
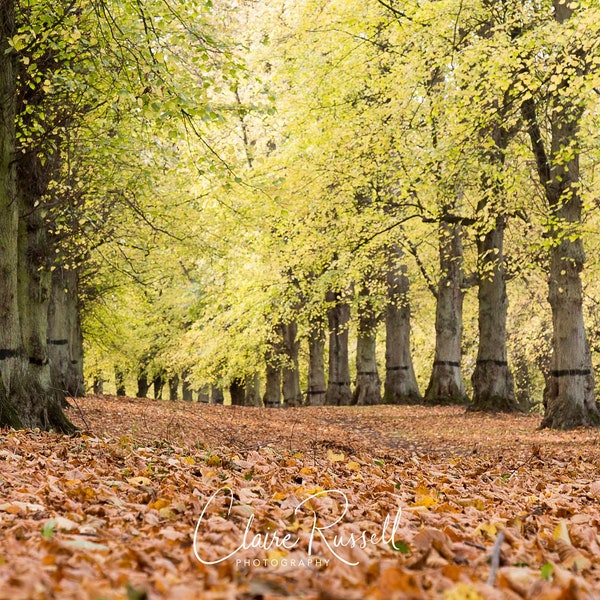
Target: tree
x=570 y=398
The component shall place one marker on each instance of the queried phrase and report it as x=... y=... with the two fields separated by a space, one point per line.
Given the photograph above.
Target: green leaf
x=547 y=571
x=399 y=546
x=48 y=529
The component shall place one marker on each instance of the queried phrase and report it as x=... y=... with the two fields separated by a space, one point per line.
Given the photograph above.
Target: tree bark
x=368 y=385
x=143 y=384
x=203 y=395
x=290 y=373
x=158 y=383
x=272 y=397
x=446 y=383
x=237 y=389
x=338 y=384
x=316 y=366
x=400 y=382
x=65 y=346
x=216 y=395
x=120 y=381
x=11 y=352
x=174 y=387
x=253 y=391
x=569 y=396
x=187 y=393
x=493 y=384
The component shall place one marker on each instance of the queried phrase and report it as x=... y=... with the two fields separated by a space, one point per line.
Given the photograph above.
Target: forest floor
x=157 y=499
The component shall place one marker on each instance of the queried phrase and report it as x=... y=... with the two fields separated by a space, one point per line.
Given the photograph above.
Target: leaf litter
x=385 y=502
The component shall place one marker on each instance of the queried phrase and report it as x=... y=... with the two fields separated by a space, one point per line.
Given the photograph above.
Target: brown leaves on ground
x=324 y=503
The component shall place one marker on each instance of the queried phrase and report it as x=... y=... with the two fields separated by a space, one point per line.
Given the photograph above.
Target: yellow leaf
x=213 y=461
x=306 y=471
x=333 y=457
x=139 y=481
x=189 y=460
x=462 y=591
x=561 y=532
x=487 y=529
x=353 y=466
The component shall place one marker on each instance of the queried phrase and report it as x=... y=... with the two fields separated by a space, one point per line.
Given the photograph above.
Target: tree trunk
x=400 y=382
x=446 y=383
x=120 y=381
x=338 y=385
x=368 y=385
x=253 y=391
x=290 y=373
x=174 y=388
x=158 y=383
x=41 y=403
x=143 y=384
x=65 y=346
x=186 y=391
x=237 y=389
x=11 y=352
x=216 y=395
x=316 y=366
x=493 y=384
x=272 y=397
x=98 y=384
x=569 y=397
x=203 y=395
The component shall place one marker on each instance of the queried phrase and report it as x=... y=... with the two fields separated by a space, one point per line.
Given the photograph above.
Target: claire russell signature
x=276 y=540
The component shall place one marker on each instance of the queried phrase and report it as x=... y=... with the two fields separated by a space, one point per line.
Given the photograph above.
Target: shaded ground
x=484 y=506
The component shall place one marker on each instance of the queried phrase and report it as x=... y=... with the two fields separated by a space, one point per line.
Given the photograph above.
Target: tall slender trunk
x=290 y=374
x=120 y=381
x=493 y=384
x=65 y=346
x=237 y=389
x=187 y=393
x=204 y=395
x=11 y=351
x=368 y=385
x=40 y=405
x=446 y=383
x=400 y=382
x=253 y=391
x=143 y=384
x=569 y=396
x=272 y=397
x=316 y=365
x=158 y=383
x=338 y=385
x=174 y=387
x=216 y=395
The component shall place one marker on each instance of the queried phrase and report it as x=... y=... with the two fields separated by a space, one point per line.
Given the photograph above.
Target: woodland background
x=301 y=202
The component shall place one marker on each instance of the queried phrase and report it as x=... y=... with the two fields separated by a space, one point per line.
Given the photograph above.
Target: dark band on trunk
x=493 y=361
x=570 y=372
x=7 y=353
x=315 y=392
x=366 y=373
x=38 y=361
x=74 y=362
x=339 y=383
x=449 y=363
x=57 y=342
x=397 y=368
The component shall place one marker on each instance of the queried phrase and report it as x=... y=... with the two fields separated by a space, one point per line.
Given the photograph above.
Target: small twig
x=495 y=558
x=260 y=445
x=475 y=545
